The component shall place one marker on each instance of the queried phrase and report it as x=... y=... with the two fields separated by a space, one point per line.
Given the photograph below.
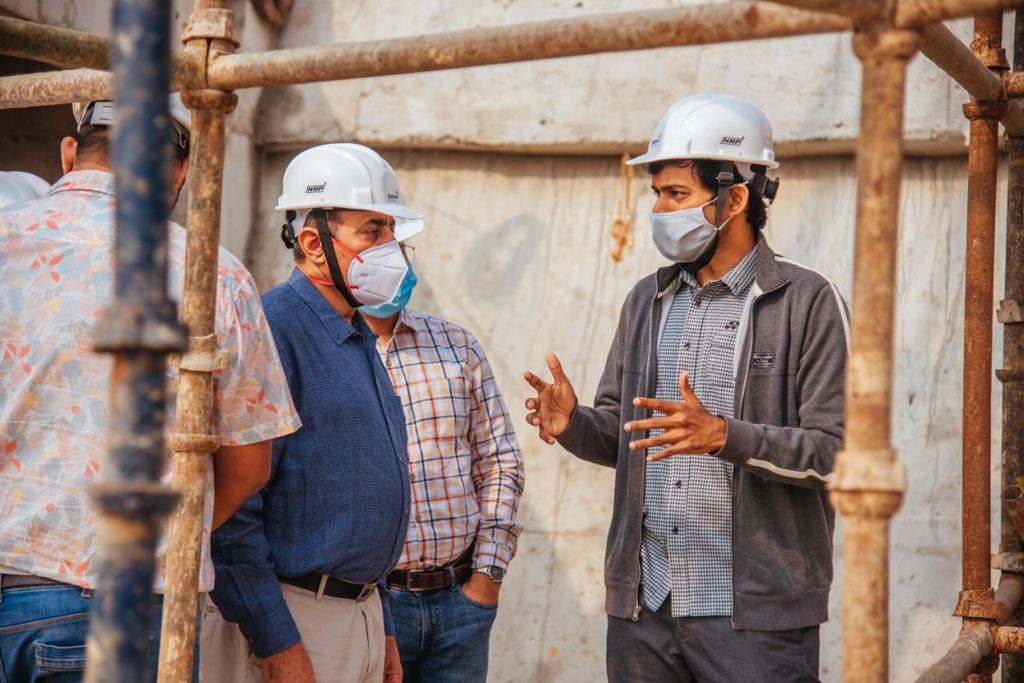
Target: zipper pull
x=636 y=612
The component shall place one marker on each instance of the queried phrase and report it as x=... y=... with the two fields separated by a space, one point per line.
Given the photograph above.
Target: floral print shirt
x=56 y=278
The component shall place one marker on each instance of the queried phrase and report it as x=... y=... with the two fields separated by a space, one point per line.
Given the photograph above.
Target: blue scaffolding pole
x=141 y=328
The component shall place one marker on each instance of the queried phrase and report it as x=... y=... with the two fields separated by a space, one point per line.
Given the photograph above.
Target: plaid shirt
x=686 y=547
x=465 y=466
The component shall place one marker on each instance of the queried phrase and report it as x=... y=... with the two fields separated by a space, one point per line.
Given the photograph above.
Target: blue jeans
x=443 y=636
x=43 y=631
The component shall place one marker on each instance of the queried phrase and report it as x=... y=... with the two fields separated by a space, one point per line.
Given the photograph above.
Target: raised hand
x=552 y=407
x=689 y=427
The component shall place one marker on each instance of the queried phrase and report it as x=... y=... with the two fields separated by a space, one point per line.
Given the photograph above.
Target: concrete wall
x=517 y=249
x=808 y=85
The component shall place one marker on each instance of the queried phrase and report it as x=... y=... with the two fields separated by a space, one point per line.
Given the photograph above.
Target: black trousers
x=660 y=647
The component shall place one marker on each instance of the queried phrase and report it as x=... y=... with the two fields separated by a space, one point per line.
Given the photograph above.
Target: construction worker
x=56 y=276
x=467 y=477
x=19 y=186
x=299 y=566
x=721 y=410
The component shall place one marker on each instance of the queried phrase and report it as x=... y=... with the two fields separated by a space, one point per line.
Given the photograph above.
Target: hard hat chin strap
x=725 y=179
x=332 y=258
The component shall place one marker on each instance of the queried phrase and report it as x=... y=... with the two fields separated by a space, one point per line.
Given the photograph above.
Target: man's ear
x=68 y=153
x=178 y=175
x=739 y=198
x=309 y=240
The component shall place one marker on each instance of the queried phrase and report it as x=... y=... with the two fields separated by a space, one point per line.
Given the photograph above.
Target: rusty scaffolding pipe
x=1011 y=375
x=869 y=483
x=54 y=87
x=625 y=31
x=951 y=55
x=977 y=603
x=67 y=47
x=209 y=30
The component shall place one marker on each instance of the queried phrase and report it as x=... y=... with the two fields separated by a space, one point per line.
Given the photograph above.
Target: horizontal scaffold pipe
x=619 y=32
x=54 y=87
x=909 y=13
x=954 y=57
x=67 y=47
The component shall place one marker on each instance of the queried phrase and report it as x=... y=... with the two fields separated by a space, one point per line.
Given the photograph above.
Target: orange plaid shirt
x=465 y=467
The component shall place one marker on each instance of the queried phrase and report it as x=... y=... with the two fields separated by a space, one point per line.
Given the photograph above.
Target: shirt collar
x=336 y=326
x=89 y=181
x=739 y=277
x=412 y=320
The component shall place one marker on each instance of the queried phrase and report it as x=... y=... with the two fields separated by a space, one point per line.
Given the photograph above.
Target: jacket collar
x=337 y=327
x=768 y=276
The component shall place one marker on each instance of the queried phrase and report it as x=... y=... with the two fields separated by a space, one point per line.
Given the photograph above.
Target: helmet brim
x=649 y=158
x=406 y=228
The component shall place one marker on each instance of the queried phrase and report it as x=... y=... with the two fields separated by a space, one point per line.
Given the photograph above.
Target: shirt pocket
x=446 y=407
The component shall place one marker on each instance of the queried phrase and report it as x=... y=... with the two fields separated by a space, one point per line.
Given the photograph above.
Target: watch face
x=495 y=574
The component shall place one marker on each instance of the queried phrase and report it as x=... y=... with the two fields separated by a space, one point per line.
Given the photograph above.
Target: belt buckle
x=366 y=591
x=408 y=581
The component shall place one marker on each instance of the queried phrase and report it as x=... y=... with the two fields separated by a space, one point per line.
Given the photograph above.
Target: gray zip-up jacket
x=791 y=351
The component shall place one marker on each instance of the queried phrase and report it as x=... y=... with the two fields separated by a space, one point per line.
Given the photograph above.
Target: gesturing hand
x=689 y=428
x=552 y=408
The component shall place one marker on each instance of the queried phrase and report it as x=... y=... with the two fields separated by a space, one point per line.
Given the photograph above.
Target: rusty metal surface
x=1012 y=456
x=950 y=54
x=193 y=444
x=963 y=656
x=693 y=25
x=70 y=48
x=1013 y=504
x=864 y=492
x=977 y=368
x=919 y=13
x=55 y=87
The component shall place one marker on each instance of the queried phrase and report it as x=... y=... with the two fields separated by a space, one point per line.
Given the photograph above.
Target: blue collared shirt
x=338 y=497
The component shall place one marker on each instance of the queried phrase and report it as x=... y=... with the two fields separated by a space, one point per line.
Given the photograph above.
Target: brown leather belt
x=322 y=584
x=434 y=579
x=25 y=581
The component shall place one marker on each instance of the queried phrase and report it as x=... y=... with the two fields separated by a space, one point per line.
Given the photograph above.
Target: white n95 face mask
x=375 y=274
x=685 y=236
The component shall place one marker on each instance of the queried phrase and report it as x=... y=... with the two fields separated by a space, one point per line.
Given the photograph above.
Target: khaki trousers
x=344 y=639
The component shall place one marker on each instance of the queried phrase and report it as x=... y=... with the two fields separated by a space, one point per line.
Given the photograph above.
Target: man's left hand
x=689 y=428
x=481 y=589
x=392 y=661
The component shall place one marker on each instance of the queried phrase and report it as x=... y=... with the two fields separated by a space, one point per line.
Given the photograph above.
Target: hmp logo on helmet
x=311 y=189
x=392 y=196
x=729 y=140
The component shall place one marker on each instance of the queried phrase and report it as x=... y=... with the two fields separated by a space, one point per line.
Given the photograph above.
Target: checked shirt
x=465 y=467
x=686 y=548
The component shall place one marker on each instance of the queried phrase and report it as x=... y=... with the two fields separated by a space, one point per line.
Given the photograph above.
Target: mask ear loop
x=327 y=244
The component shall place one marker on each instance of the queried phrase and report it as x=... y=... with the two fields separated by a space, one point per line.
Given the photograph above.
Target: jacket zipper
x=739 y=416
x=643 y=479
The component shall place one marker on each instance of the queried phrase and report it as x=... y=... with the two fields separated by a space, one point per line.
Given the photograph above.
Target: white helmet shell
x=717 y=127
x=19 y=186
x=347 y=176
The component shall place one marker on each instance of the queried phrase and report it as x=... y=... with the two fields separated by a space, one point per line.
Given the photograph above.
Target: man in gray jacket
x=721 y=409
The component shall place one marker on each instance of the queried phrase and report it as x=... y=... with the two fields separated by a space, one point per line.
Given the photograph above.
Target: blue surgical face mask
x=399 y=302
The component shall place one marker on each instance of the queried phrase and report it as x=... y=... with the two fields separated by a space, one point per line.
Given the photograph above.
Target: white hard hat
x=101 y=113
x=347 y=176
x=717 y=127
x=18 y=186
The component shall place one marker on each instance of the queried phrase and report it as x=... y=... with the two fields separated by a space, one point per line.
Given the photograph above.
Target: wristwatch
x=495 y=574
